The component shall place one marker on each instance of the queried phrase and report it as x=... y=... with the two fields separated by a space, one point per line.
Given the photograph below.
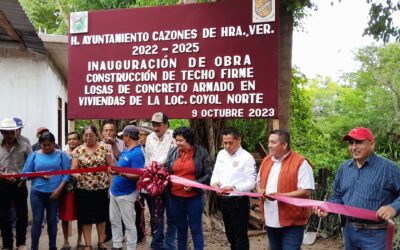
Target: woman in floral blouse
x=91 y=191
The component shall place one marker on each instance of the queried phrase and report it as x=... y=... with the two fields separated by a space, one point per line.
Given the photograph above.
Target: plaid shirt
x=13 y=161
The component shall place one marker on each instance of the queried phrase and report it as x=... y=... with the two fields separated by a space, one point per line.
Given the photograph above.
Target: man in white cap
x=13 y=154
x=158 y=144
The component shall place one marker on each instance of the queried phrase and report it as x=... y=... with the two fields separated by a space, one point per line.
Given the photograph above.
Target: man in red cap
x=367 y=181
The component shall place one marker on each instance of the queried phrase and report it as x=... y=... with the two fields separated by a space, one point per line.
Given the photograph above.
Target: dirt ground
x=217 y=240
x=214 y=240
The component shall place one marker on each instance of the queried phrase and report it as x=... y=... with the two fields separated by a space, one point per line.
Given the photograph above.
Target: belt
x=233 y=197
x=373 y=225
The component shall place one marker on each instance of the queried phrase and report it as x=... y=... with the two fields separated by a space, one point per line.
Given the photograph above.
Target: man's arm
x=147 y=151
x=336 y=196
x=215 y=181
x=115 y=150
x=250 y=176
x=206 y=167
x=389 y=211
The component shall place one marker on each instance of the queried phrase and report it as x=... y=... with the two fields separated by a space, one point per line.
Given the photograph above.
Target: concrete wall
x=29 y=89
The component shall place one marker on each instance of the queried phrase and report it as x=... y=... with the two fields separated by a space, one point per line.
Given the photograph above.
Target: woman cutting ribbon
x=45 y=190
x=191 y=162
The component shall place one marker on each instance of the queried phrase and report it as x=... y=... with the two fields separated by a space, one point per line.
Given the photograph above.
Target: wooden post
x=275 y=124
x=285 y=66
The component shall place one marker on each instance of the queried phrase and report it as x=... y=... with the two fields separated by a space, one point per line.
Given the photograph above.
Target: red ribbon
x=326 y=206
x=154 y=179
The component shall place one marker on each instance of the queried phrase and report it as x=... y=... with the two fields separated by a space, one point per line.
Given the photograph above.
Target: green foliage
x=298 y=8
x=370 y=98
x=44 y=14
x=380 y=24
x=145 y=3
x=252 y=131
x=52 y=15
x=174 y=123
x=80 y=124
x=396 y=239
x=312 y=136
x=379 y=78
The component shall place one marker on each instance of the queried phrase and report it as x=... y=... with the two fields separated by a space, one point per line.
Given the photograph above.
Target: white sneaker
x=22 y=247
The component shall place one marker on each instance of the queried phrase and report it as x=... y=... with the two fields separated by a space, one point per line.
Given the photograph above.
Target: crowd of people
x=112 y=202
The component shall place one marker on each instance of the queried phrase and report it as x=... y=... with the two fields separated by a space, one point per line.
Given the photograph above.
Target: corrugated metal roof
x=57 y=47
x=20 y=22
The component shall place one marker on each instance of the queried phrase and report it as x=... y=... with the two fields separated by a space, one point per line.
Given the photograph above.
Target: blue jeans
x=188 y=212
x=40 y=202
x=365 y=239
x=285 y=238
x=157 y=223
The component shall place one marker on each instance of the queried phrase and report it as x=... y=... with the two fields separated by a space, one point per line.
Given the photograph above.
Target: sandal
x=102 y=246
x=65 y=247
x=80 y=247
x=88 y=247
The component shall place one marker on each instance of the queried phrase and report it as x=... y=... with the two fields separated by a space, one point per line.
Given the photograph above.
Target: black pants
x=139 y=209
x=235 y=212
x=17 y=195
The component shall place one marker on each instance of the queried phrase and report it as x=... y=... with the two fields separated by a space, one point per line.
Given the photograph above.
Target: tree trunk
x=285 y=66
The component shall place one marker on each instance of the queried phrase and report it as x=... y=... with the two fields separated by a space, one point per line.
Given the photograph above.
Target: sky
x=332 y=34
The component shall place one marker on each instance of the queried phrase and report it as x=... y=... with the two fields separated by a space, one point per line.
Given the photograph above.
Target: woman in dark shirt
x=193 y=163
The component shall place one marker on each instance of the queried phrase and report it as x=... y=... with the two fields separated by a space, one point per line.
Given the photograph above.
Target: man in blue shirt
x=123 y=191
x=366 y=181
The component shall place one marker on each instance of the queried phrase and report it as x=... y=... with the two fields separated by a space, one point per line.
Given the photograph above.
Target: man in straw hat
x=13 y=154
x=367 y=181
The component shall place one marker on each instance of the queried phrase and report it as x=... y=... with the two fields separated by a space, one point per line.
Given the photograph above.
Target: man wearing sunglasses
x=367 y=181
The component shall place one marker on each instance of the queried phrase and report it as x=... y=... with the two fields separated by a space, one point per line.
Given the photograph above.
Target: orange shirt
x=184 y=167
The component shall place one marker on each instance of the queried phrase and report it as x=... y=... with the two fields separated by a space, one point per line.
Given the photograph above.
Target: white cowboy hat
x=8 y=124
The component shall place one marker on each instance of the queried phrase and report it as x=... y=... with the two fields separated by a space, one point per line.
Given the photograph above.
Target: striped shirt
x=375 y=184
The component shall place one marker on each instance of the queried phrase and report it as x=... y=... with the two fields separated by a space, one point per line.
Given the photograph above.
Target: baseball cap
x=18 y=122
x=41 y=130
x=145 y=129
x=159 y=117
x=130 y=130
x=359 y=133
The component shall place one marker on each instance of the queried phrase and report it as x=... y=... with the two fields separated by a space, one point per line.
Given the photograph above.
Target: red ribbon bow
x=154 y=179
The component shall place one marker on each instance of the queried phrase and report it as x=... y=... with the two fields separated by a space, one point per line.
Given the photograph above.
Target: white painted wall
x=29 y=90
